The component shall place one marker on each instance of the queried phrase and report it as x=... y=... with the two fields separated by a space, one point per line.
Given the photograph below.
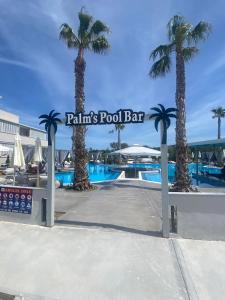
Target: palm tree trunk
x=119 y=140
x=219 y=127
x=119 y=144
x=182 y=182
x=81 y=181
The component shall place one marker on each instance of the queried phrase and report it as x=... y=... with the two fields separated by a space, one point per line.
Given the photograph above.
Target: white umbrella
x=37 y=158
x=18 y=156
x=18 y=160
x=137 y=150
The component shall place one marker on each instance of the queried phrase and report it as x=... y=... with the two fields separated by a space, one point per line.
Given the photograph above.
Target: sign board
x=122 y=116
x=17 y=200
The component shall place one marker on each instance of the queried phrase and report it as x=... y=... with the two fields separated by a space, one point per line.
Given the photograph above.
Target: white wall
x=200 y=215
x=7 y=116
x=35 y=217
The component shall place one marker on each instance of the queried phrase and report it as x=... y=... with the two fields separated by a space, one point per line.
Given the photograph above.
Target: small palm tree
x=183 y=38
x=118 y=128
x=90 y=36
x=49 y=121
x=219 y=113
x=163 y=115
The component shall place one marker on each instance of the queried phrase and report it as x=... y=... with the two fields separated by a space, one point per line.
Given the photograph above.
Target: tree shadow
x=107 y=186
x=110 y=226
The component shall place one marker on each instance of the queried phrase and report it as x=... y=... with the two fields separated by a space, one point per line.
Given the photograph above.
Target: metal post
x=164 y=185
x=51 y=181
x=197 y=153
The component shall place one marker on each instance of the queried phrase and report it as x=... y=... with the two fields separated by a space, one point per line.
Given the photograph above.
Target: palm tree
x=90 y=36
x=183 y=38
x=49 y=121
x=219 y=113
x=118 y=128
x=163 y=115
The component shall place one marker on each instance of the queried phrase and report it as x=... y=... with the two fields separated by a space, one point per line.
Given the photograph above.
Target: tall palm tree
x=118 y=128
x=89 y=36
x=219 y=113
x=183 y=38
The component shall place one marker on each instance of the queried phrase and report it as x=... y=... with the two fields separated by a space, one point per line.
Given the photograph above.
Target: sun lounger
x=8 y=171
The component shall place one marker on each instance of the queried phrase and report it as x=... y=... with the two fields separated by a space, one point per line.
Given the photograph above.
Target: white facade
x=10 y=125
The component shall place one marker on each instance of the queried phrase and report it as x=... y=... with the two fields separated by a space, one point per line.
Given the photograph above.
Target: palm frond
x=100 y=45
x=51 y=113
x=163 y=110
x=57 y=120
x=85 y=23
x=161 y=51
x=160 y=67
x=43 y=116
x=172 y=115
x=189 y=52
x=200 y=32
x=218 y=112
x=152 y=116
x=119 y=126
x=174 y=23
x=156 y=109
x=55 y=115
x=171 y=109
x=43 y=122
x=67 y=34
x=98 y=27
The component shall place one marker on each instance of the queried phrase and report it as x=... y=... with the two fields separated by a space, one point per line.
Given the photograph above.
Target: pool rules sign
x=16 y=200
x=122 y=116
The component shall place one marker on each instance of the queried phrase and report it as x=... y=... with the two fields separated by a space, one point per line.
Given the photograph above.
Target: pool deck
x=126 y=205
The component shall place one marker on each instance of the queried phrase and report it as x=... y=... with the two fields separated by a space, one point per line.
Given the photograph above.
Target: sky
x=37 y=70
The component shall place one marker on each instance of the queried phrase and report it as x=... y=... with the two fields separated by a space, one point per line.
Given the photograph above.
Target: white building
x=10 y=125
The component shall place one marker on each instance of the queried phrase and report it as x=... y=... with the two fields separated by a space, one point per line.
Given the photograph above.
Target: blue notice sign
x=18 y=200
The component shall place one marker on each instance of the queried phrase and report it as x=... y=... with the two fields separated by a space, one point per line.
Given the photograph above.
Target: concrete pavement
x=128 y=205
x=113 y=251
x=79 y=263
x=70 y=263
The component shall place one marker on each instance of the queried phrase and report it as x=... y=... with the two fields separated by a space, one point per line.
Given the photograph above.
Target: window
x=24 y=131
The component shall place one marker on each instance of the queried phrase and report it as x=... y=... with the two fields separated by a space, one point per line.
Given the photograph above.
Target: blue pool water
x=196 y=180
x=101 y=172
x=171 y=168
x=95 y=173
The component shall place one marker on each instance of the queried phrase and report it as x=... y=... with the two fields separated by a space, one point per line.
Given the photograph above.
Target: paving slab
x=79 y=263
x=128 y=204
x=204 y=267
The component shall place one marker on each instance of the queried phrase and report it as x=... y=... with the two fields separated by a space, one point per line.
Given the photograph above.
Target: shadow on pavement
x=107 y=186
x=110 y=226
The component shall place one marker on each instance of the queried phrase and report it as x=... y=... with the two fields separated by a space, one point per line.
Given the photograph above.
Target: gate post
x=164 y=186
x=163 y=115
x=51 y=122
x=50 y=208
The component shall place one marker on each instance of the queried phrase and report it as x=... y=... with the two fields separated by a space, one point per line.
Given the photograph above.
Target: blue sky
x=36 y=68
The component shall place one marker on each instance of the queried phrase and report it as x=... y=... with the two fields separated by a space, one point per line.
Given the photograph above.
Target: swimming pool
x=196 y=179
x=96 y=172
x=192 y=167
